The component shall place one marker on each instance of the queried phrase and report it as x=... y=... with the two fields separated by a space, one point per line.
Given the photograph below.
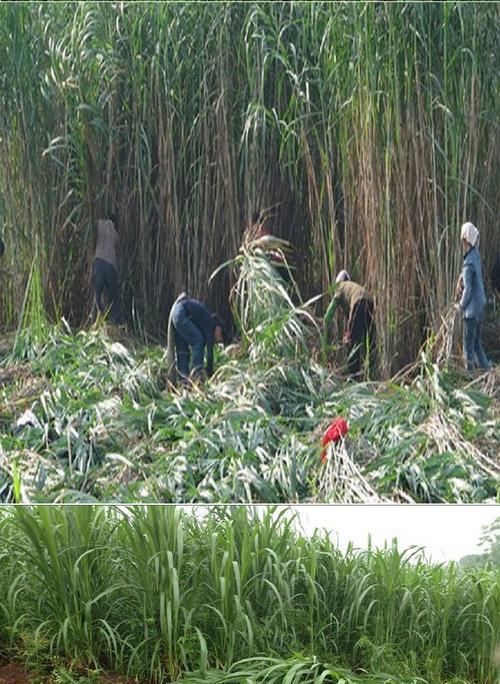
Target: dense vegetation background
x=161 y=593
x=373 y=125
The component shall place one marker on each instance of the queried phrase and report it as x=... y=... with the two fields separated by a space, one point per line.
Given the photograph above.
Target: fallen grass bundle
x=163 y=595
x=91 y=419
x=297 y=670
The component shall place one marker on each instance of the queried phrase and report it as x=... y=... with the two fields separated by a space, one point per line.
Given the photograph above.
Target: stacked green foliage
x=163 y=594
x=103 y=427
x=374 y=124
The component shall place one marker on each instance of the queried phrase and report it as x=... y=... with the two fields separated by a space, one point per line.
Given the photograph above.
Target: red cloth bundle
x=337 y=429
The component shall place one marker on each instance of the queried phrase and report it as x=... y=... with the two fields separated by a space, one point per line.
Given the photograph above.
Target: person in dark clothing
x=104 y=270
x=360 y=334
x=195 y=329
x=2 y=248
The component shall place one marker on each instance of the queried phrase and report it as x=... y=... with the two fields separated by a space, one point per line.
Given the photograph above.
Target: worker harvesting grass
x=358 y=306
x=262 y=230
x=105 y=270
x=472 y=300
x=191 y=330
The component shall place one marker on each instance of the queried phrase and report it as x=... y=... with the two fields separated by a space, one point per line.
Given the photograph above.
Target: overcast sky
x=447 y=532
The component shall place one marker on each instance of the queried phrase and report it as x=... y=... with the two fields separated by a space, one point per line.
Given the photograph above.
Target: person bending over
x=192 y=329
x=358 y=306
x=104 y=270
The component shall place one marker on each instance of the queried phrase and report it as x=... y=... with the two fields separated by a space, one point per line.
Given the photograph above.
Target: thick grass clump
x=231 y=594
x=371 y=127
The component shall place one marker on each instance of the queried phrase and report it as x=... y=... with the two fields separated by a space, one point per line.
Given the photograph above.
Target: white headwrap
x=470 y=233
x=342 y=276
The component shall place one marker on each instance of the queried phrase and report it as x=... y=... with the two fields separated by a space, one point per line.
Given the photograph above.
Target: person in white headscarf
x=473 y=299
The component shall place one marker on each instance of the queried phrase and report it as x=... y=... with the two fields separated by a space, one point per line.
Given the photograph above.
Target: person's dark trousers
x=363 y=336
x=189 y=340
x=105 y=279
x=473 y=348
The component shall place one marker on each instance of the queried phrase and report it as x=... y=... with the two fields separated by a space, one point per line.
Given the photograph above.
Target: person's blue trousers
x=189 y=341
x=473 y=348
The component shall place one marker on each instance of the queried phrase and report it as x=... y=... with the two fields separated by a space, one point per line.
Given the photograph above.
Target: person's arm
x=468 y=280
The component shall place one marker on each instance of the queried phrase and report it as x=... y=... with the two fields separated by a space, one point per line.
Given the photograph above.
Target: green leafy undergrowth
x=91 y=418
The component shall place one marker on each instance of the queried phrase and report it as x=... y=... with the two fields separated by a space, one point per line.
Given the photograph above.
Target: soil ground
x=15 y=673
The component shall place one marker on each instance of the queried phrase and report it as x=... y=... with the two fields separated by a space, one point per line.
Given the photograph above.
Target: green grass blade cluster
x=233 y=595
x=89 y=418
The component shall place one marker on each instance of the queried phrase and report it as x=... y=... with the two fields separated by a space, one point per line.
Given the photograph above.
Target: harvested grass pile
x=100 y=425
x=103 y=424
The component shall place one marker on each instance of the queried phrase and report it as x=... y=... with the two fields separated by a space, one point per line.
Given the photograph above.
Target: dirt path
x=13 y=673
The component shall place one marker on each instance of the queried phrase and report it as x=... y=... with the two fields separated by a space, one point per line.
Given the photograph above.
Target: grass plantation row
x=231 y=595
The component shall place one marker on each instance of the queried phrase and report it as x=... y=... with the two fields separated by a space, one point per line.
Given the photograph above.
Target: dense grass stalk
x=372 y=127
x=160 y=593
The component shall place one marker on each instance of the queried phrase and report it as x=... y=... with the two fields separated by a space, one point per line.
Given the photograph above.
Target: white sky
x=446 y=532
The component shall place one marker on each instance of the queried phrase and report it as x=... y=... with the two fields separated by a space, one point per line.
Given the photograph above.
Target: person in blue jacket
x=192 y=329
x=473 y=299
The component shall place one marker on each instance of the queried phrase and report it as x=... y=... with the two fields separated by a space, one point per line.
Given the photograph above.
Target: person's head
x=109 y=216
x=266 y=227
x=469 y=235
x=220 y=335
x=342 y=277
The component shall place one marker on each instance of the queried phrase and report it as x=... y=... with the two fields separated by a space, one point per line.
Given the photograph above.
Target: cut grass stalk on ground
x=93 y=418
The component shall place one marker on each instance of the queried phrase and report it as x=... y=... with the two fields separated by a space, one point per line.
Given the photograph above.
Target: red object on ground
x=337 y=429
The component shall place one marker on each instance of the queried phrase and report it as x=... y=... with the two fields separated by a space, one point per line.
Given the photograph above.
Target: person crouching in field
x=358 y=306
x=104 y=270
x=473 y=299
x=191 y=329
